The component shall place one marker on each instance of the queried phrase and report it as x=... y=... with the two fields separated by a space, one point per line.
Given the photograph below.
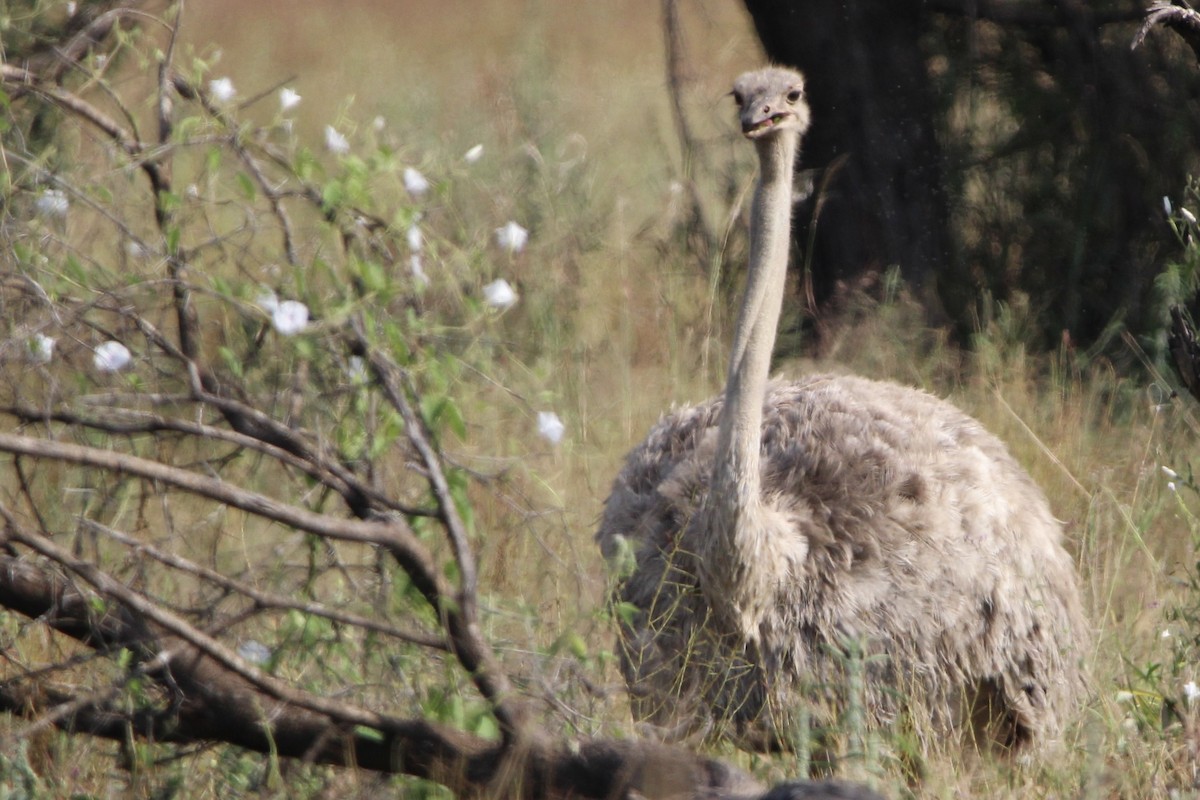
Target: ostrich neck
x=741 y=560
x=736 y=480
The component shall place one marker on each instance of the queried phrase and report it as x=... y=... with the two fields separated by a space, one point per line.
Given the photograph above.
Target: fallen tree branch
x=219 y=704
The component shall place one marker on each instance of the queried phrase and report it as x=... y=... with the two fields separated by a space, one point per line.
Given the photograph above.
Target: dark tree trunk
x=873 y=135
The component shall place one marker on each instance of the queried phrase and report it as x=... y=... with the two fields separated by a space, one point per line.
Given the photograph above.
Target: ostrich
x=769 y=533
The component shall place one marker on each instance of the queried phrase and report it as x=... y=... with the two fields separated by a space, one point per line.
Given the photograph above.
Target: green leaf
x=444 y=412
x=373 y=275
x=232 y=362
x=487 y=728
x=626 y=612
x=212 y=161
x=246 y=185
x=305 y=348
x=173 y=234
x=185 y=127
x=363 y=732
x=386 y=434
x=333 y=195
x=576 y=645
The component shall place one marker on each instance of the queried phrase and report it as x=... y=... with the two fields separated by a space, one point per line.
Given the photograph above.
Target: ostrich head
x=770 y=101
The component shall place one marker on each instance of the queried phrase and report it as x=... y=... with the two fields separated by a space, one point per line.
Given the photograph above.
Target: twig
x=268 y=600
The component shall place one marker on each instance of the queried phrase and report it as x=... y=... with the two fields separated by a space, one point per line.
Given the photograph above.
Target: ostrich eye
x=737 y=97
x=794 y=95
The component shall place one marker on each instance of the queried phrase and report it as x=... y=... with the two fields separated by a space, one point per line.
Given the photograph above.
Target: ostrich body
x=775 y=527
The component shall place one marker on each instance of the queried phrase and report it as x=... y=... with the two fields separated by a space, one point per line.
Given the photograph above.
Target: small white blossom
x=1167 y=205
x=111 y=356
x=1191 y=691
x=499 y=294
x=474 y=154
x=379 y=123
x=289 y=98
x=52 y=203
x=550 y=427
x=418 y=269
x=1189 y=216
x=290 y=317
x=40 y=348
x=416 y=183
x=254 y=652
x=414 y=237
x=356 y=369
x=138 y=250
x=222 y=90
x=1166 y=634
x=512 y=237
x=1171 y=485
x=1124 y=696
x=1170 y=473
x=335 y=142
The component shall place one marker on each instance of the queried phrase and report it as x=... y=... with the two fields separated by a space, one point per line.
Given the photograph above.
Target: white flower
x=1191 y=691
x=1171 y=485
x=499 y=294
x=335 y=142
x=52 y=203
x=1167 y=205
x=512 y=237
x=550 y=427
x=379 y=123
x=40 y=348
x=1170 y=473
x=1189 y=216
x=111 y=356
x=356 y=369
x=415 y=182
x=289 y=98
x=1166 y=634
x=418 y=270
x=222 y=90
x=254 y=652
x=1124 y=696
x=414 y=238
x=474 y=154
x=290 y=317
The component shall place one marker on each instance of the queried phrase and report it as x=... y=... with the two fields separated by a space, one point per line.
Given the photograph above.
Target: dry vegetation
x=615 y=322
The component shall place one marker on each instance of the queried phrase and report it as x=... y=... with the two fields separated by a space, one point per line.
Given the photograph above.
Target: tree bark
x=872 y=109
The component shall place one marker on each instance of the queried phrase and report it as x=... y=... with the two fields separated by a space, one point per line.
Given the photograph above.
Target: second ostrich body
x=778 y=526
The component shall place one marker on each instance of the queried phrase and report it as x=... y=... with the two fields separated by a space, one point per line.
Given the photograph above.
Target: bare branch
x=268 y=600
x=218 y=704
x=389 y=533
